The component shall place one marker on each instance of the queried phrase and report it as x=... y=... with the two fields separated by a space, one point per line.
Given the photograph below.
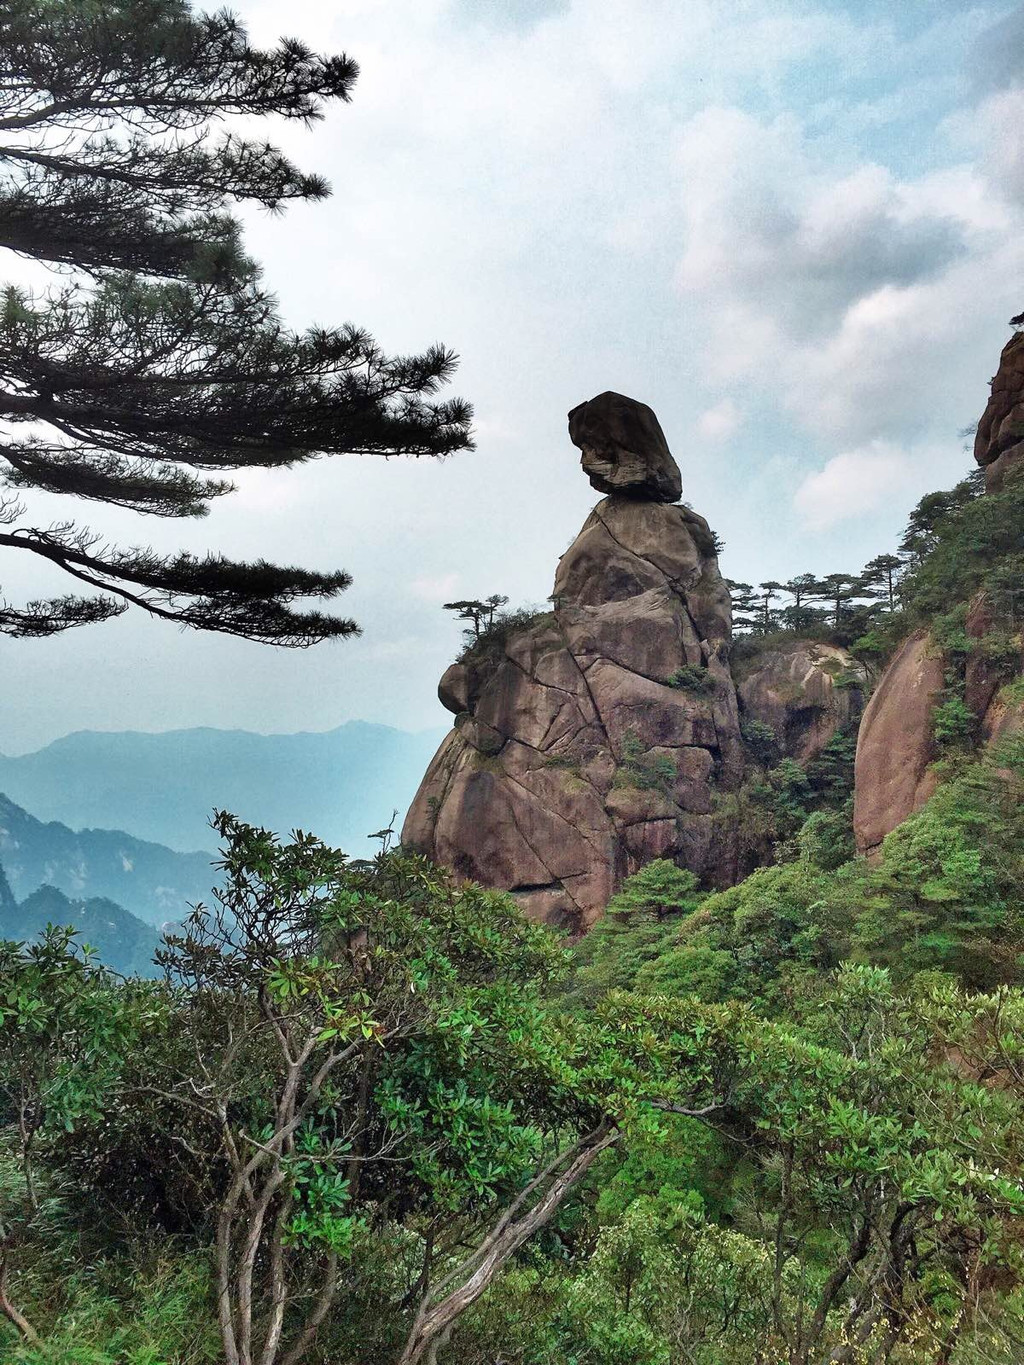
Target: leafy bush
x=638 y=925
x=760 y=739
x=641 y=769
x=954 y=723
x=693 y=678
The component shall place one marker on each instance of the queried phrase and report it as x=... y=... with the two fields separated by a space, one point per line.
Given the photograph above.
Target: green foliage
x=1012 y=694
x=960 y=542
x=871 y=645
x=954 y=723
x=694 y=679
x=760 y=739
x=65 y=1027
x=825 y=839
x=639 y=924
x=786 y=793
x=944 y=894
x=642 y=769
x=162 y=357
x=488 y=645
x=830 y=773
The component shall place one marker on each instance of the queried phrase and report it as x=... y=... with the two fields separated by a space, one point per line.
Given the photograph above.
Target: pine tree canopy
x=155 y=358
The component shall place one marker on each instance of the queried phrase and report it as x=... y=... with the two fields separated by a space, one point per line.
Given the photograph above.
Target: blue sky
x=792 y=229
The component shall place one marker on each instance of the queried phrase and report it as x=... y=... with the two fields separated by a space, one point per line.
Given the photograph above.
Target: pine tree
x=745 y=605
x=879 y=578
x=479 y=614
x=840 y=589
x=767 y=594
x=156 y=360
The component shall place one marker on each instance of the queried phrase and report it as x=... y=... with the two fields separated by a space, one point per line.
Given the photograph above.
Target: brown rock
x=479 y=734
x=634 y=708
x=983 y=676
x=793 y=689
x=453 y=689
x=999 y=443
x=575 y=760
x=1002 y=721
x=624 y=448
x=895 y=746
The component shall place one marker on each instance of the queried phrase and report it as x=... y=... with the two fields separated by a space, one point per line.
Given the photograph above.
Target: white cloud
x=852 y=484
x=437 y=589
x=720 y=421
x=867 y=304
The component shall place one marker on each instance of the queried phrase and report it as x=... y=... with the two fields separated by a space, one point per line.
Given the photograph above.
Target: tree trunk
x=434 y=1322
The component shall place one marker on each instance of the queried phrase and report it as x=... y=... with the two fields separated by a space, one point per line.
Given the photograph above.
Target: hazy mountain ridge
x=157 y=883
x=122 y=940
x=340 y=785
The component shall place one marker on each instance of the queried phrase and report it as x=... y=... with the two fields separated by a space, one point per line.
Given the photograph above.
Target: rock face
x=895 y=745
x=806 y=692
x=580 y=749
x=624 y=448
x=999 y=444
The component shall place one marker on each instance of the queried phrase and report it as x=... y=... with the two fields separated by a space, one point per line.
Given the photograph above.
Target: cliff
x=999 y=442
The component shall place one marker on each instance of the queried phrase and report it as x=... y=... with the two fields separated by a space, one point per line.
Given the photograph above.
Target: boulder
x=895 y=747
x=999 y=443
x=624 y=448
x=806 y=692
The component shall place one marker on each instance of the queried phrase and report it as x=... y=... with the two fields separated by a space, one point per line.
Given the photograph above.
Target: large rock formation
x=595 y=739
x=999 y=444
x=895 y=747
x=805 y=691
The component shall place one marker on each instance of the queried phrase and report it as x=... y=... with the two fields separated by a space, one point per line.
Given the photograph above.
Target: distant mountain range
x=155 y=883
x=341 y=785
x=121 y=940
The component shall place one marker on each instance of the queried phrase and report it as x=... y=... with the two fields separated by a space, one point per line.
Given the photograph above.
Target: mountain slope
x=121 y=939
x=340 y=785
x=154 y=882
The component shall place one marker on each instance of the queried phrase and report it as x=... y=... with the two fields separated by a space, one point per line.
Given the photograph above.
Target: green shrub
x=693 y=678
x=954 y=723
x=760 y=739
x=640 y=769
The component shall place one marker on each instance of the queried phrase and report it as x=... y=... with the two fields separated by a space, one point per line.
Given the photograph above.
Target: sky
x=791 y=228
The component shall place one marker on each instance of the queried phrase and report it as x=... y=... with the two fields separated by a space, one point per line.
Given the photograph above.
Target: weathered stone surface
x=479 y=734
x=574 y=759
x=895 y=746
x=453 y=689
x=983 y=675
x=1001 y=721
x=999 y=443
x=795 y=689
x=624 y=448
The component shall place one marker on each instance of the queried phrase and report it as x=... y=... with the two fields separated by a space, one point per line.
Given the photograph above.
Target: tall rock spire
x=595 y=738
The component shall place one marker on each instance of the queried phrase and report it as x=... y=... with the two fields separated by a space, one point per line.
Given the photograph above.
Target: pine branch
x=250 y=600
x=173 y=359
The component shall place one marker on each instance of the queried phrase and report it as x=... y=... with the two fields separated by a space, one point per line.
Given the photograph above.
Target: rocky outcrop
x=805 y=692
x=624 y=448
x=999 y=444
x=595 y=739
x=895 y=746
